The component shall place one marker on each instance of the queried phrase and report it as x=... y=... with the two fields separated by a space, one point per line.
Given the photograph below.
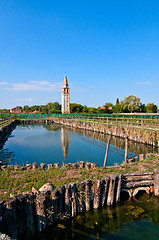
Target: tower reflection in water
x=64 y=141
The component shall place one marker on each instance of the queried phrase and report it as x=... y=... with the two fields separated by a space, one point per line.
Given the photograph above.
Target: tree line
x=130 y=104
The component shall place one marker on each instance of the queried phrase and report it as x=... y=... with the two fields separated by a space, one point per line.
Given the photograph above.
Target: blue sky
x=108 y=48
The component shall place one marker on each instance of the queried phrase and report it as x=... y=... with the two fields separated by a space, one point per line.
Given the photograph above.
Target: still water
x=132 y=220
x=53 y=143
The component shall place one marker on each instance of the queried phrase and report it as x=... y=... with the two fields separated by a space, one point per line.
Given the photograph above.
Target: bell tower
x=65 y=97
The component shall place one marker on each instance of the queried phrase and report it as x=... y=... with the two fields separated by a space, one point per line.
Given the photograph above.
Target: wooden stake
x=126 y=149
x=106 y=154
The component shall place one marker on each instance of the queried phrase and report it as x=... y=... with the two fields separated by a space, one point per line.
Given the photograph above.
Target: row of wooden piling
x=26 y=214
x=43 y=166
x=36 y=121
x=81 y=164
x=135 y=134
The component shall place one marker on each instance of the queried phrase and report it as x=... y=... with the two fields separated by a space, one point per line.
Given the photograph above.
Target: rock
x=3 y=167
x=141 y=157
x=93 y=165
x=42 y=165
x=4 y=237
x=11 y=195
x=50 y=166
x=56 y=165
x=29 y=166
x=34 y=166
x=34 y=190
x=81 y=164
x=88 y=165
x=16 y=167
x=46 y=188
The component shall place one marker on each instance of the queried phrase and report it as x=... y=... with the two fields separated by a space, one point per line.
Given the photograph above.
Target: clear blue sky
x=108 y=48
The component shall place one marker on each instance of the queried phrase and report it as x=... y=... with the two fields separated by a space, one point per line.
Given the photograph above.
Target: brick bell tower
x=65 y=97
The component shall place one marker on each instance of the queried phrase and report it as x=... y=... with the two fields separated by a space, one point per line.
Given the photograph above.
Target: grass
x=19 y=181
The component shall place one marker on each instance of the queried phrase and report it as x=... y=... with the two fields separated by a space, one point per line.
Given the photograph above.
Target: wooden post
x=156 y=182
x=106 y=154
x=128 y=123
x=126 y=149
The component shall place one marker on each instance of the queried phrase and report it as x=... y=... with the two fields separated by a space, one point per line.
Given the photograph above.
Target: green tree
x=117 y=101
x=117 y=108
x=100 y=111
x=26 y=109
x=142 y=108
x=131 y=103
x=54 y=105
x=19 y=107
x=75 y=107
x=54 y=111
x=4 y=111
x=92 y=110
x=151 y=108
x=34 y=108
x=43 y=109
x=85 y=109
x=108 y=107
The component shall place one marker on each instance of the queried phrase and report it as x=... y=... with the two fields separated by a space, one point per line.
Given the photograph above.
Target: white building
x=65 y=101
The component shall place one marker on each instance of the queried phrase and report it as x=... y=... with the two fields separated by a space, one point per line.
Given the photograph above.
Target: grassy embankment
x=22 y=181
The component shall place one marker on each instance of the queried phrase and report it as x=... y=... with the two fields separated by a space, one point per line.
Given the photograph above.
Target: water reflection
x=132 y=220
x=53 y=143
x=6 y=156
x=64 y=141
x=117 y=143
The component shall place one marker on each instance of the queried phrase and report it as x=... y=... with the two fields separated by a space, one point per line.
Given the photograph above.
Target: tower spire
x=65 y=82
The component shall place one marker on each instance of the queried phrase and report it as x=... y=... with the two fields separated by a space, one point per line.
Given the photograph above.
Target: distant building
x=65 y=97
x=103 y=108
x=36 y=112
x=15 y=110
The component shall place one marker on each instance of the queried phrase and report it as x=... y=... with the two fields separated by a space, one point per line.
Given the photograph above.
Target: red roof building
x=15 y=110
x=36 y=112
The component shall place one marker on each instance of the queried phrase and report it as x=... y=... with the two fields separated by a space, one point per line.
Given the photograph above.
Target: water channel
x=131 y=220
x=56 y=144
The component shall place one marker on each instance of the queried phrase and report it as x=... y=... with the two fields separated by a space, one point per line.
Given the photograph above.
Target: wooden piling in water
x=111 y=192
x=105 y=187
x=80 y=196
x=126 y=149
x=97 y=194
x=10 y=212
x=40 y=212
x=156 y=183
x=106 y=154
x=36 y=212
x=87 y=194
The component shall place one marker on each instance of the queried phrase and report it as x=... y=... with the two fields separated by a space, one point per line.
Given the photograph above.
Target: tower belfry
x=65 y=101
